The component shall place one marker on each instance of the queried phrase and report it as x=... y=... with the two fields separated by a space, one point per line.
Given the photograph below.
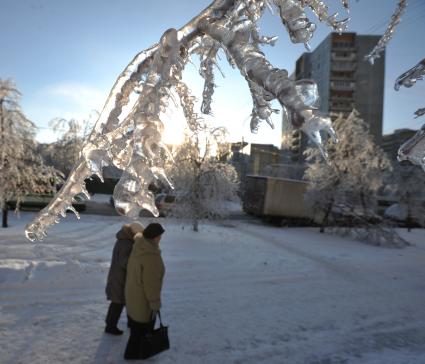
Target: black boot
x=112 y=318
x=137 y=339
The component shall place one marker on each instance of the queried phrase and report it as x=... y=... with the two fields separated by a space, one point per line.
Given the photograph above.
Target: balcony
x=341 y=107
x=339 y=99
x=342 y=78
x=342 y=85
x=344 y=56
x=343 y=47
x=343 y=66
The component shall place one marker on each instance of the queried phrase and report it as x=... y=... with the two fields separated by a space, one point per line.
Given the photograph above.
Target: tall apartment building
x=345 y=81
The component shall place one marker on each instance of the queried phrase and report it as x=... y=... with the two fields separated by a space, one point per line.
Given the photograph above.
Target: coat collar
x=147 y=244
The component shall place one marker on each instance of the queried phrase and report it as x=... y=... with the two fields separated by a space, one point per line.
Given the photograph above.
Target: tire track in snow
x=343 y=271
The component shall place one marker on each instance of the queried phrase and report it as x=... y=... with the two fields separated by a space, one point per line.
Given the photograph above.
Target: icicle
x=316 y=124
x=320 y=9
x=71 y=208
x=299 y=28
x=382 y=43
x=208 y=55
x=414 y=149
x=409 y=78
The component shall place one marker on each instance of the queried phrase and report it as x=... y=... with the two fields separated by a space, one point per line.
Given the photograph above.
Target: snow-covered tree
x=64 y=153
x=22 y=170
x=347 y=186
x=203 y=183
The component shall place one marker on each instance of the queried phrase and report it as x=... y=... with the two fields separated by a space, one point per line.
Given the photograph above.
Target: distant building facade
x=240 y=161
x=345 y=81
x=261 y=157
x=392 y=142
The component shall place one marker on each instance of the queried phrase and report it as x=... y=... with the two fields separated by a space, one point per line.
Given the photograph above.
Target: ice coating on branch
x=307 y=90
x=208 y=53
x=409 y=78
x=382 y=43
x=187 y=102
x=36 y=230
x=131 y=194
x=315 y=125
x=320 y=9
x=414 y=149
x=131 y=139
x=134 y=144
x=293 y=17
x=419 y=112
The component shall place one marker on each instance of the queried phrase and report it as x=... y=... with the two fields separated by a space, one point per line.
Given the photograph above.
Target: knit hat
x=153 y=230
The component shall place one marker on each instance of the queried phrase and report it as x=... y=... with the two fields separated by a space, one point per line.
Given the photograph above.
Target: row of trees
x=343 y=189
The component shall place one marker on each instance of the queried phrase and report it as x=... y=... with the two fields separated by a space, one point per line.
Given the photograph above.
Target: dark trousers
x=114 y=313
x=138 y=331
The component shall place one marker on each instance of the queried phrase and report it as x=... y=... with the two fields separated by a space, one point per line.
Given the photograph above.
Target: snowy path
x=242 y=294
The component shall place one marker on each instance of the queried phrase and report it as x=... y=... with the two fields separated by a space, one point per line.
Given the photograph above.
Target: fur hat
x=136 y=228
x=153 y=230
x=132 y=229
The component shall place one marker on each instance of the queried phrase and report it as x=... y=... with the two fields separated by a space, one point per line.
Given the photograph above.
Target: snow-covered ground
x=236 y=292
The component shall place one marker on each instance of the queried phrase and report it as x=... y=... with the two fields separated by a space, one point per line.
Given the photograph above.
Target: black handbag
x=155 y=341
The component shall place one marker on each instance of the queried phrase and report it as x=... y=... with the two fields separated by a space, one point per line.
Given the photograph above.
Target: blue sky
x=65 y=56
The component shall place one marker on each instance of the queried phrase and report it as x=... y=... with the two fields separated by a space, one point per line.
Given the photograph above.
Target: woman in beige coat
x=145 y=273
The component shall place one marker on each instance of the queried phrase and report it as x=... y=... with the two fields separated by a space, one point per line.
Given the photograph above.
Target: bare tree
x=203 y=182
x=22 y=170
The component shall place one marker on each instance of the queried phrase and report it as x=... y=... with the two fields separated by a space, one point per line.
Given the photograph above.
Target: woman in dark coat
x=117 y=275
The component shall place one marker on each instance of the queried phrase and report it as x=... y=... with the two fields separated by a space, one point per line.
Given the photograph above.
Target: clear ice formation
x=382 y=43
x=409 y=78
x=128 y=131
x=414 y=149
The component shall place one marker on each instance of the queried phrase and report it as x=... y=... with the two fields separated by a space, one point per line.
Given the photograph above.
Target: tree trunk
x=195 y=225
x=409 y=221
x=363 y=200
x=325 y=219
x=4 y=217
x=197 y=195
x=2 y=202
x=408 y=217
